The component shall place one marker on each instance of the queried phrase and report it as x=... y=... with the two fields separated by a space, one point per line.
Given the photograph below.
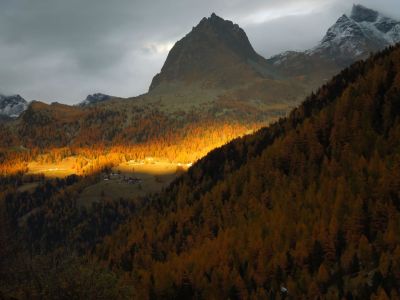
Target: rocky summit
x=212 y=50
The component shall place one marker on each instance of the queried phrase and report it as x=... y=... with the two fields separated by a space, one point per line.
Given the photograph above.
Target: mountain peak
x=227 y=31
x=12 y=106
x=343 y=21
x=215 y=17
x=343 y=18
x=212 y=46
x=352 y=38
x=94 y=99
x=361 y=13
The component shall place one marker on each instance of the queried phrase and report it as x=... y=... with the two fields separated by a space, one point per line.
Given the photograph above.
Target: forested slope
x=305 y=208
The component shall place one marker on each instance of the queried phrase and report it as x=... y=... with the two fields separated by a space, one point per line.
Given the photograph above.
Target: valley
x=233 y=177
x=124 y=180
x=132 y=180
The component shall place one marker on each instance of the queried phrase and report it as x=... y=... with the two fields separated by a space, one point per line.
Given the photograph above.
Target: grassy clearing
x=130 y=180
x=53 y=170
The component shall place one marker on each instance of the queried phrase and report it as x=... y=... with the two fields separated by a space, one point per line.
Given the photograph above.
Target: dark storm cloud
x=62 y=50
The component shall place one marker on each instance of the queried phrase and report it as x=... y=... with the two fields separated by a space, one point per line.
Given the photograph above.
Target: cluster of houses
x=123 y=178
x=131 y=179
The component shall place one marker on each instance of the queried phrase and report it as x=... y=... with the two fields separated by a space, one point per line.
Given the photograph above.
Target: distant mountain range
x=214 y=73
x=13 y=106
x=217 y=53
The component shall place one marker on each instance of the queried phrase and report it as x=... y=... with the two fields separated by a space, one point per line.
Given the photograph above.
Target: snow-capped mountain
x=12 y=106
x=350 y=39
x=94 y=99
x=354 y=37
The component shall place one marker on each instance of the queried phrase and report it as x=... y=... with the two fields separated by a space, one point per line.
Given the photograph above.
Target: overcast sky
x=63 y=50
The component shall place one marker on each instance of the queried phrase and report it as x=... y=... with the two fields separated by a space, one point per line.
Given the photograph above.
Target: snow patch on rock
x=12 y=106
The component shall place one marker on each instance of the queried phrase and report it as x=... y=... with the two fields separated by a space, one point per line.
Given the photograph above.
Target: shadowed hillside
x=308 y=207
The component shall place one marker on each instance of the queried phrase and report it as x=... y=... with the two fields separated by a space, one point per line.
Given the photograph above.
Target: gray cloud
x=57 y=50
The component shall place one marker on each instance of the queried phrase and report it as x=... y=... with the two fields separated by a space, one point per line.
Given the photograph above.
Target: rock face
x=12 y=106
x=94 y=99
x=217 y=51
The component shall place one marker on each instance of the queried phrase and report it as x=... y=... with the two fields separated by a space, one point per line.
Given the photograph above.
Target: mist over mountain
x=355 y=37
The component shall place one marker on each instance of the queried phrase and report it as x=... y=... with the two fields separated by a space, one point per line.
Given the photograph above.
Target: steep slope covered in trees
x=306 y=208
